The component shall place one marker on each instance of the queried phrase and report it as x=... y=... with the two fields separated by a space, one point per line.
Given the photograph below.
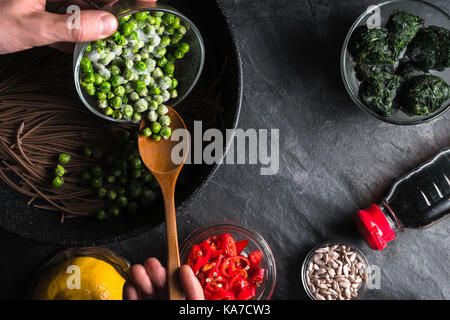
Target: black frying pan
x=16 y=216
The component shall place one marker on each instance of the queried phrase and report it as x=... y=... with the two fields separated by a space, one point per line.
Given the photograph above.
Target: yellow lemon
x=80 y=278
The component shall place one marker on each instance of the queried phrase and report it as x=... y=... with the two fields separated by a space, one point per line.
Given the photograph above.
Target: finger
x=130 y=292
x=157 y=274
x=190 y=284
x=142 y=282
x=49 y=27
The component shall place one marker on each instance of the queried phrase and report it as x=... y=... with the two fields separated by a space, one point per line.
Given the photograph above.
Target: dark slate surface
x=334 y=159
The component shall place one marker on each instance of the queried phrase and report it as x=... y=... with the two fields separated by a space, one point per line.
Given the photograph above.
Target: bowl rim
x=188 y=242
x=304 y=266
x=81 y=47
x=345 y=79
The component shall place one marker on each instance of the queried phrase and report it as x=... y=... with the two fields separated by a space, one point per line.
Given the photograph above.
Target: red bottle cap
x=374 y=227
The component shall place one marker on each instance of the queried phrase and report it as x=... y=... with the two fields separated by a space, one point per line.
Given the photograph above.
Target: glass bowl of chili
x=231 y=260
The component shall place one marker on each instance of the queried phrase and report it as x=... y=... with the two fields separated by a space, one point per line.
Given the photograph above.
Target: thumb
x=190 y=284
x=81 y=26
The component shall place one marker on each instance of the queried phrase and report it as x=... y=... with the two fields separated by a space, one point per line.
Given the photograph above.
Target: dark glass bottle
x=417 y=200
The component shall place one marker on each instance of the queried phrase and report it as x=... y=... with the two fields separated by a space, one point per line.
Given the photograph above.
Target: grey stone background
x=334 y=159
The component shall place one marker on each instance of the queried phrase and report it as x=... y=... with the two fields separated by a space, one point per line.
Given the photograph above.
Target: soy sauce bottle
x=417 y=200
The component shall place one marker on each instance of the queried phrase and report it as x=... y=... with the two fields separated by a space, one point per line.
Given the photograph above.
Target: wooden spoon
x=156 y=155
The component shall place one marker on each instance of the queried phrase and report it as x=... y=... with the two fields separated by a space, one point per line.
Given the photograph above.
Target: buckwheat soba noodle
x=41 y=116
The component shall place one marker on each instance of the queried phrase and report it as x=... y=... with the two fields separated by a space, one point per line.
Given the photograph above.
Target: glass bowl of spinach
x=395 y=61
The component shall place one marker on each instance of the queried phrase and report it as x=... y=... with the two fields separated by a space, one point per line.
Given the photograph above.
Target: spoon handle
x=173 y=254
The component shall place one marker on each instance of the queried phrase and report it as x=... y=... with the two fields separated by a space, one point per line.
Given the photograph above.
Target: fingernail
x=108 y=24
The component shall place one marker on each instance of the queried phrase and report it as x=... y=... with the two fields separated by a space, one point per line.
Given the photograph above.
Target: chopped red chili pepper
x=257 y=276
x=255 y=258
x=247 y=294
x=195 y=259
x=240 y=245
x=233 y=265
x=229 y=245
x=238 y=283
x=222 y=295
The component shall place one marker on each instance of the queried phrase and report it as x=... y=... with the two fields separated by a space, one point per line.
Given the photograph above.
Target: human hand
x=26 y=24
x=149 y=282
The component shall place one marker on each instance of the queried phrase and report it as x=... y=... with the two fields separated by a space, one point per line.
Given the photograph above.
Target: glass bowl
x=309 y=258
x=187 y=73
x=432 y=16
x=120 y=264
x=238 y=232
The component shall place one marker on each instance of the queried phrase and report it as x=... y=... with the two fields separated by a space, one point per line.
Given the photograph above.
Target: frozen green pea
x=166 y=133
x=183 y=47
x=141 y=105
x=111 y=195
x=63 y=158
x=128 y=111
x=165 y=82
x=128 y=88
x=182 y=29
x=174 y=83
x=129 y=63
x=169 y=68
x=102 y=103
x=173 y=93
x=122 y=201
x=116 y=102
x=101 y=215
x=59 y=170
x=170 y=30
x=140 y=16
x=146 y=132
x=98 y=79
x=164 y=121
x=57 y=182
x=152 y=116
x=153 y=105
x=162 y=110
x=156 y=127
x=115 y=70
x=105 y=87
x=160 y=30
x=139 y=85
x=151 y=64
x=88 y=48
x=96 y=183
x=156 y=137
x=133 y=24
x=140 y=66
x=108 y=111
x=166 y=95
x=159 y=99
x=114 y=211
x=101 y=95
x=157 y=73
x=87 y=151
x=134 y=96
x=101 y=192
x=117 y=114
x=119 y=91
x=159 y=52
x=149 y=30
x=143 y=92
x=146 y=78
x=137 y=117
x=110 y=179
x=176 y=37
